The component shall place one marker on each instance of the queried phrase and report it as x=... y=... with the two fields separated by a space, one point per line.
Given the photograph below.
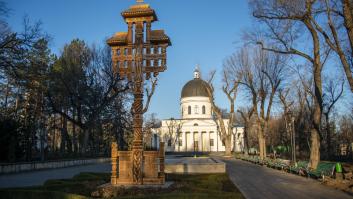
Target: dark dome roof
x=195 y=87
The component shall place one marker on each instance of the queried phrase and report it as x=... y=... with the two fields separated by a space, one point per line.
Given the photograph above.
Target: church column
x=209 y=141
x=217 y=139
x=200 y=141
x=186 y=141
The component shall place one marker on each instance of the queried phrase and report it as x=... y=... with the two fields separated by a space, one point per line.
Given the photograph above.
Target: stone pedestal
x=122 y=167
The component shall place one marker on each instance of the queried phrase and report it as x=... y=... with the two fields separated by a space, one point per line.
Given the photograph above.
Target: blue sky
x=202 y=32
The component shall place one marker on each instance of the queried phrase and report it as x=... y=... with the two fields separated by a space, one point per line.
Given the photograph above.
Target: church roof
x=139 y=10
x=194 y=88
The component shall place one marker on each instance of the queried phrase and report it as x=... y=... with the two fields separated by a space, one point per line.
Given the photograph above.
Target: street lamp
x=292 y=134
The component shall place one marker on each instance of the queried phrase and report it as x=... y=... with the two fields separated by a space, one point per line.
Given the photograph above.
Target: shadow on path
x=256 y=181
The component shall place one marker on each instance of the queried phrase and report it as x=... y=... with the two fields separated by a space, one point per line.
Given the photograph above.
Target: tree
x=150 y=123
x=174 y=127
x=246 y=115
x=338 y=17
x=230 y=89
x=24 y=62
x=261 y=75
x=284 y=20
x=83 y=81
x=334 y=91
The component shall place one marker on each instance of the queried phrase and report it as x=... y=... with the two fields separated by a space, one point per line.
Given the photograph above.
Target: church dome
x=195 y=88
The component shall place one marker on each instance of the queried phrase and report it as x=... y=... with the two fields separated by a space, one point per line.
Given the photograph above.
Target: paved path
x=39 y=177
x=256 y=181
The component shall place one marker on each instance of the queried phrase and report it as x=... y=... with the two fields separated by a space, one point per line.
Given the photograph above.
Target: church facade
x=196 y=130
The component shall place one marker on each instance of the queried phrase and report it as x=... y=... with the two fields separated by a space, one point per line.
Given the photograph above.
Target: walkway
x=256 y=181
x=39 y=177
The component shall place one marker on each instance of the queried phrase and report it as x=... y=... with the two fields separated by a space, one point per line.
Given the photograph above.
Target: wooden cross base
x=122 y=167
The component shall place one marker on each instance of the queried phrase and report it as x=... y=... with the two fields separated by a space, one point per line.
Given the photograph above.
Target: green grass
x=81 y=186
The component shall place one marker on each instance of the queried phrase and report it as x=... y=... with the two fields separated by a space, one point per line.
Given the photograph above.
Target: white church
x=196 y=131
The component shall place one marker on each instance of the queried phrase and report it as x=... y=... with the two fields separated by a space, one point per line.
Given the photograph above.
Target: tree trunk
x=348 y=23
x=74 y=134
x=348 y=19
x=328 y=135
x=315 y=149
x=85 y=141
x=228 y=145
x=246 y=139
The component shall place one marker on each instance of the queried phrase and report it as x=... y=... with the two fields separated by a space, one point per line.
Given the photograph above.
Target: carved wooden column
x=133 y=67
x=129 y=33
x=148 y=31
x=114 y=148
x=137 y=145
x=161 y=159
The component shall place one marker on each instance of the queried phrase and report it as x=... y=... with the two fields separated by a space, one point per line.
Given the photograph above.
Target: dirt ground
x=342 y=181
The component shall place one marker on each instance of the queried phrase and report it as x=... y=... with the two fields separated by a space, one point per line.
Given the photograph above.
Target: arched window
x=203 y=109
x=189 y=110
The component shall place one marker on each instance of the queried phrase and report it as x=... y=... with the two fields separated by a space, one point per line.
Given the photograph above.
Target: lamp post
x=292 y=135
x=137 y=54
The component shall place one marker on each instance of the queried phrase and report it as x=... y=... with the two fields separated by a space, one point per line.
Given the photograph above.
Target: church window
x=211 y=142
x=223 y=143
x=125 y=51
x=189 y=110
x=118 y=51
x=203 y=109
x=196 y=109
x=196 y=124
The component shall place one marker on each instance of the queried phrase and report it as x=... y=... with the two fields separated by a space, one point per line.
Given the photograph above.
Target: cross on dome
x=197 y=72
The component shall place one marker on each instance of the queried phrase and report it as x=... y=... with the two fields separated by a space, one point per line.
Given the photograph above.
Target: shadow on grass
x=81 y=186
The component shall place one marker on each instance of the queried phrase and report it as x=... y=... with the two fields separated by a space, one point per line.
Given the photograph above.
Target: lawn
x=82 y=185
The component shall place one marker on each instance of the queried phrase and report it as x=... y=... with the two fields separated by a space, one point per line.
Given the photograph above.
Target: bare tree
x=334 y=91
x=339 y=31
x=246 y=115
x=285 y=21
x=230 y=89
x=287 y=104
x=174 y=129
x=261 y=74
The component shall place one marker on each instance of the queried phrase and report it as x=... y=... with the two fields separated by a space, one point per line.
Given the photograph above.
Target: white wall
x=207 y=126
x=193 y=102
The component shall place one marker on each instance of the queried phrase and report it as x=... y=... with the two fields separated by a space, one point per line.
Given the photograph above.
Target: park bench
x=323 y=169
x=301 y=166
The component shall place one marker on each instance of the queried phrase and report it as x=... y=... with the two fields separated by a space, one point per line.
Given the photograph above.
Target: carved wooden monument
x=137 y=54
